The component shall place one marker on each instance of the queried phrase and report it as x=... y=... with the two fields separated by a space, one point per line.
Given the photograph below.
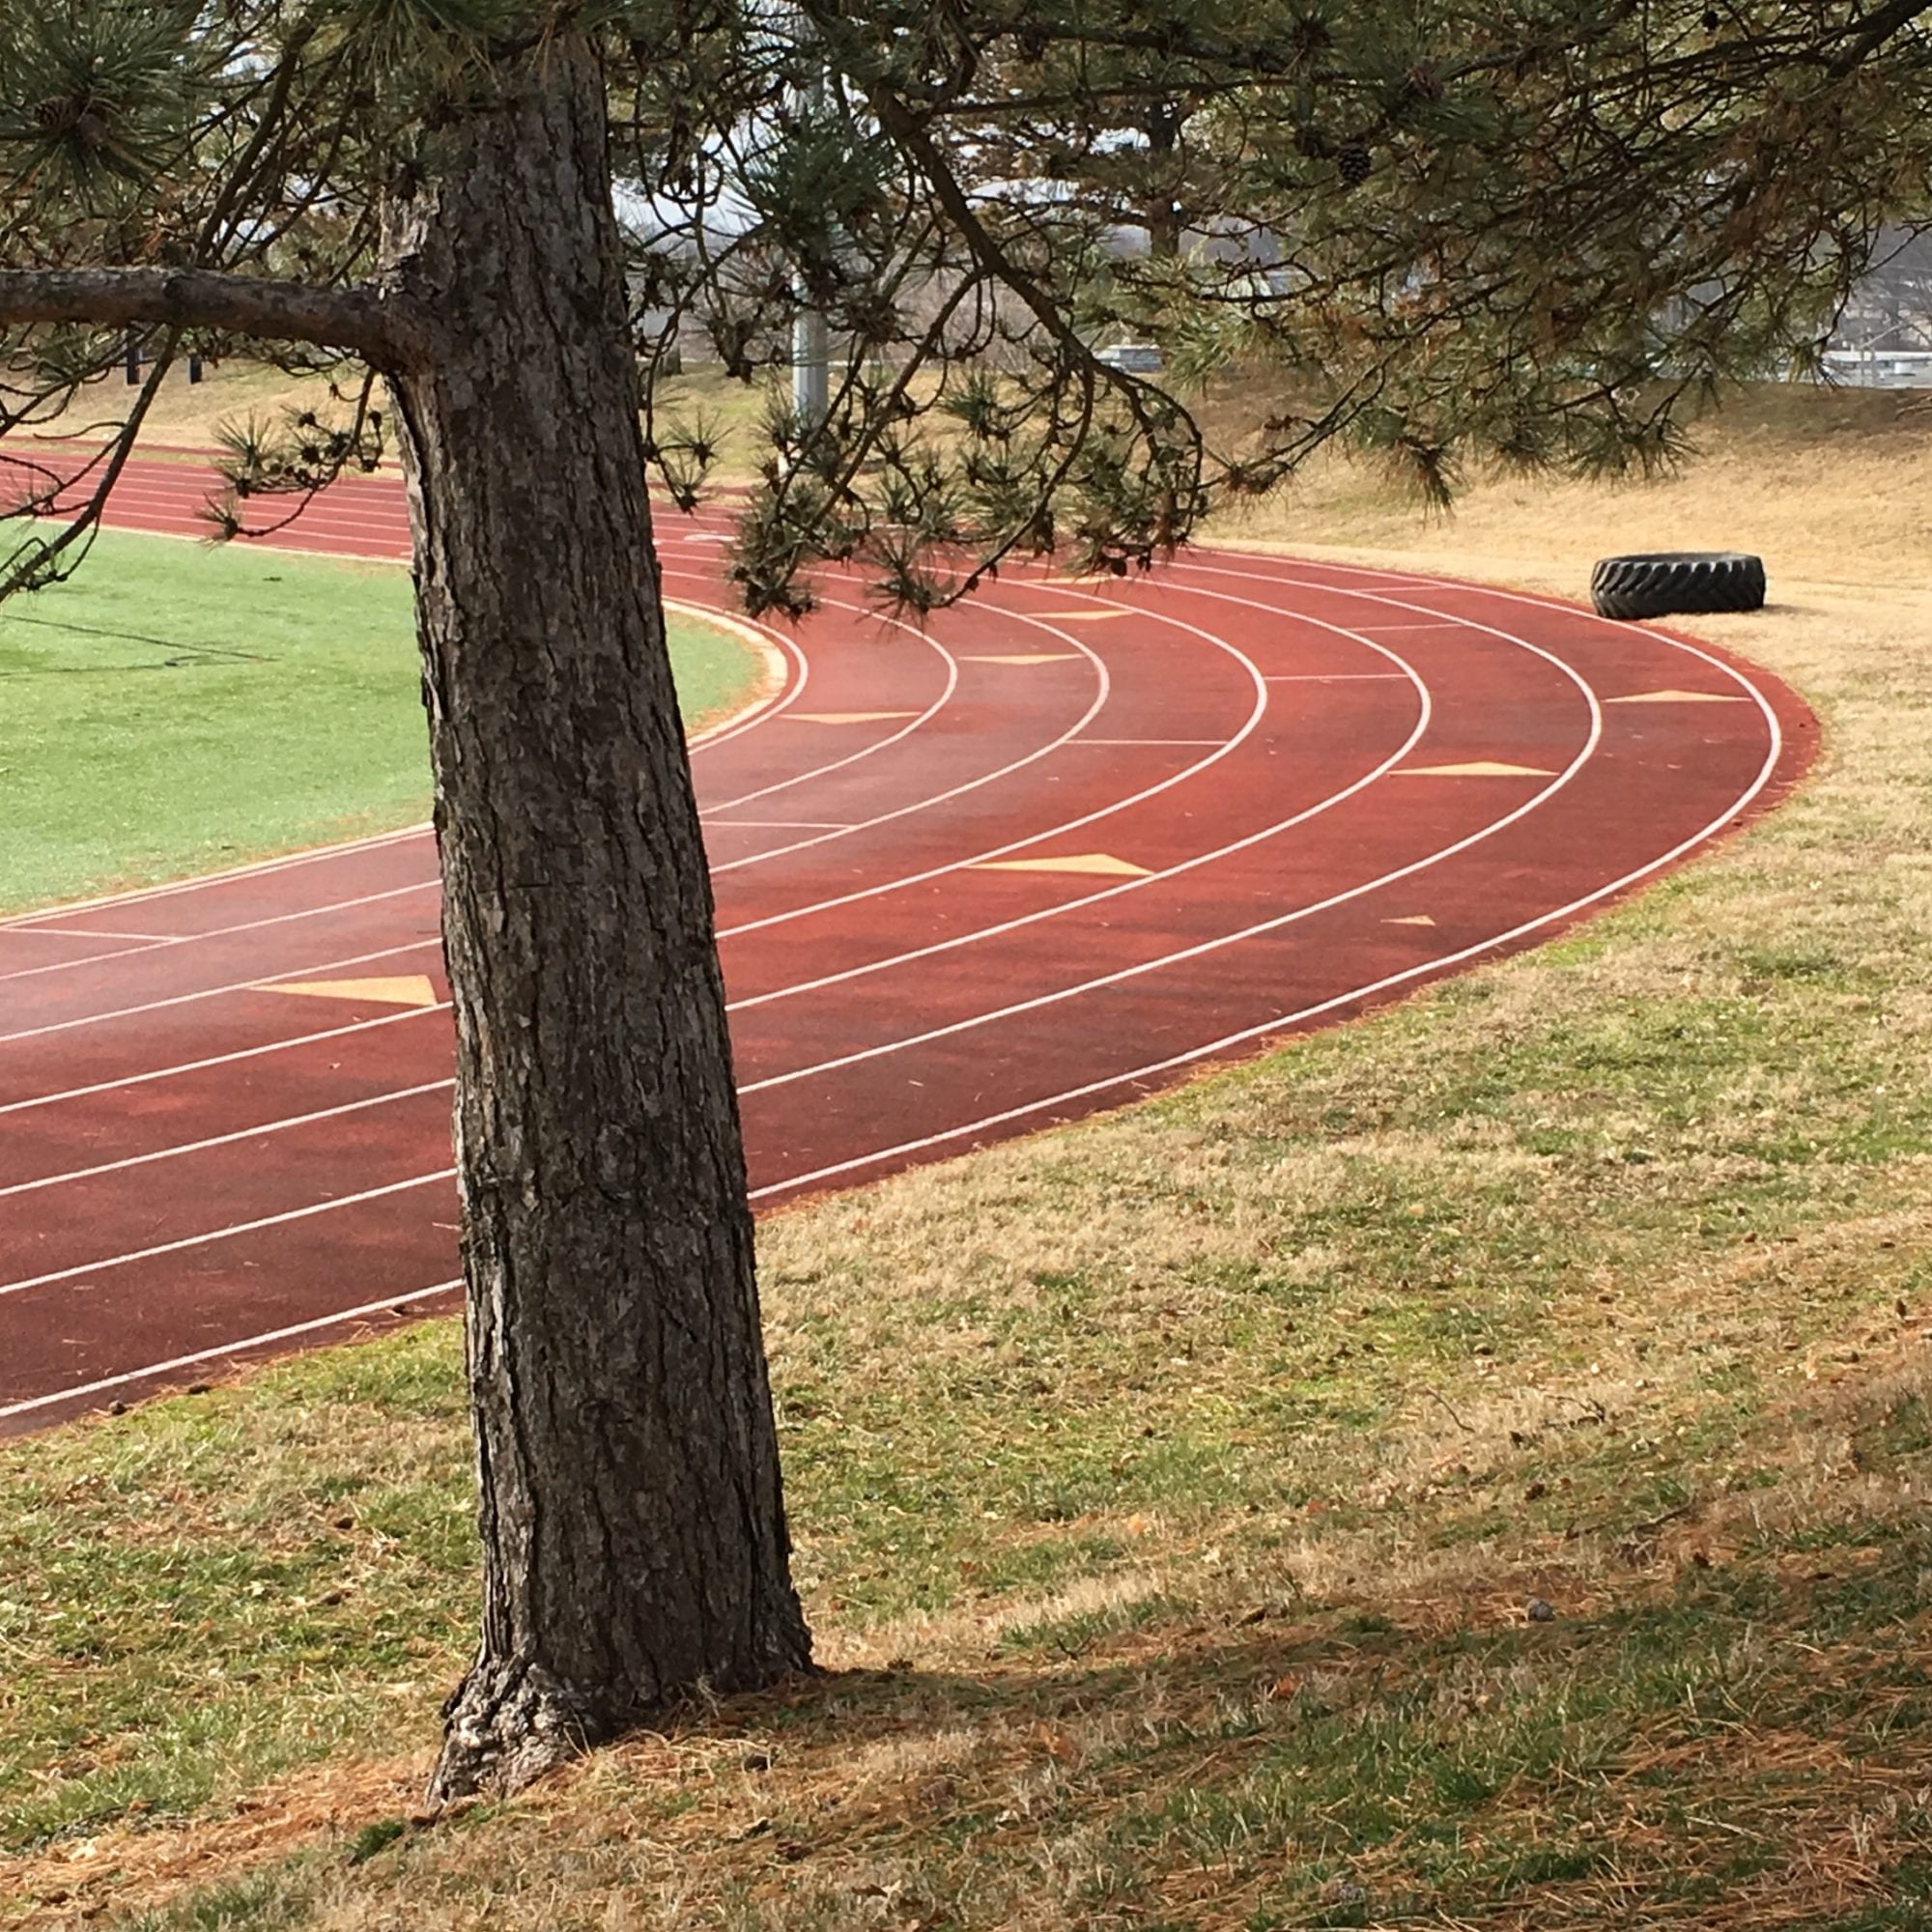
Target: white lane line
x=151 y=490
x=1149 y=741
x=1425 y=712
x=309 y=856
x=224 y=931
x=1103 y=689
x=288 y=1215
x=217 y=1060
x=371 y=524
x=1221 y=941
x=371 y=532
x=777 y=825
x=1066 y=590
x=1290 y=560
x=87 y=932
x=1040 y=834
x=254 y=981
x=1529 y=599
x=1333 y=677
x=1034 y=619
x=264 y=1340
x=228 y=1140
x=915 y=724
x=1152 y=1070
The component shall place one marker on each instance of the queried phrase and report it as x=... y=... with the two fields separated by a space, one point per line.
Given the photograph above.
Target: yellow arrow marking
x=844 y=717
x=1071 y=862
x=1413 y=919
x=1027 y=657
x=412 y=989
x=1482 y=768
x=1680 y=697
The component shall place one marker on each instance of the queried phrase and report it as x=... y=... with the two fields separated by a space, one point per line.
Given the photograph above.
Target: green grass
x=178 y=708
x=337 y=1578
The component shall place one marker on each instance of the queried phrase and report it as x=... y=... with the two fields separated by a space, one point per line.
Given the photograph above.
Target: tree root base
x=507 y=1726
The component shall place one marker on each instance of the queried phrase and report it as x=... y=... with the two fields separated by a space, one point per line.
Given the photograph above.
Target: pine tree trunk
x=1163 y=212
x=632 y=1517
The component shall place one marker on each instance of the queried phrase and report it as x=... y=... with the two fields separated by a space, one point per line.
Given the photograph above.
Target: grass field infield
x=178 y=708
x=1468 y=1470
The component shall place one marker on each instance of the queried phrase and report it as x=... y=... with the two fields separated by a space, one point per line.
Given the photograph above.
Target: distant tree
x=1521 y=227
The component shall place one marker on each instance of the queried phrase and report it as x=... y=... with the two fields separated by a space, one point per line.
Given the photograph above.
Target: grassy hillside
x=1468 y=1470
x=185 y=416
x=1831 y=486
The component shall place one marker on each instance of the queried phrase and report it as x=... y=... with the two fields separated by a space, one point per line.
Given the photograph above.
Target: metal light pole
x=810 y=370
x=811 y=338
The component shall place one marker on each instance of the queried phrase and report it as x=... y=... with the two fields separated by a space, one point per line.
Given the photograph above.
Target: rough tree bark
x=633 y=1523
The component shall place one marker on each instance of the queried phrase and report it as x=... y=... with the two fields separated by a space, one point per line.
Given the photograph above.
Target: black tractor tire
x=1677 y=582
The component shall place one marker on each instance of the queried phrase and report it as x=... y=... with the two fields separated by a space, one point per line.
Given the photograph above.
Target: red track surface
x=198 y=1168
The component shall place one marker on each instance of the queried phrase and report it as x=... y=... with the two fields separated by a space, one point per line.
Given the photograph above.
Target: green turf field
x=179 y=707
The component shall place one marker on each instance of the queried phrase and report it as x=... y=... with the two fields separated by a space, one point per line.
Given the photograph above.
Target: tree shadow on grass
x=1742 y=1746
x=1743 y=1749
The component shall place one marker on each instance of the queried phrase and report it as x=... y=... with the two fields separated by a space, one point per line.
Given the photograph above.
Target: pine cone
x=1356 y=163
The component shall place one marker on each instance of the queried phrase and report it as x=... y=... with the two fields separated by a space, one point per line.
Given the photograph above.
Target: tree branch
x=37 y=562
x=385 y=330
x=1873 y=31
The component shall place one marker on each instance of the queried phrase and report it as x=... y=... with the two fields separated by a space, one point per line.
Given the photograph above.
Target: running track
x=1072 y=843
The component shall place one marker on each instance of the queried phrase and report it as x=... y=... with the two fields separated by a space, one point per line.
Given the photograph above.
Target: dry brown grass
x=185 y=413
x=1833 y=489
